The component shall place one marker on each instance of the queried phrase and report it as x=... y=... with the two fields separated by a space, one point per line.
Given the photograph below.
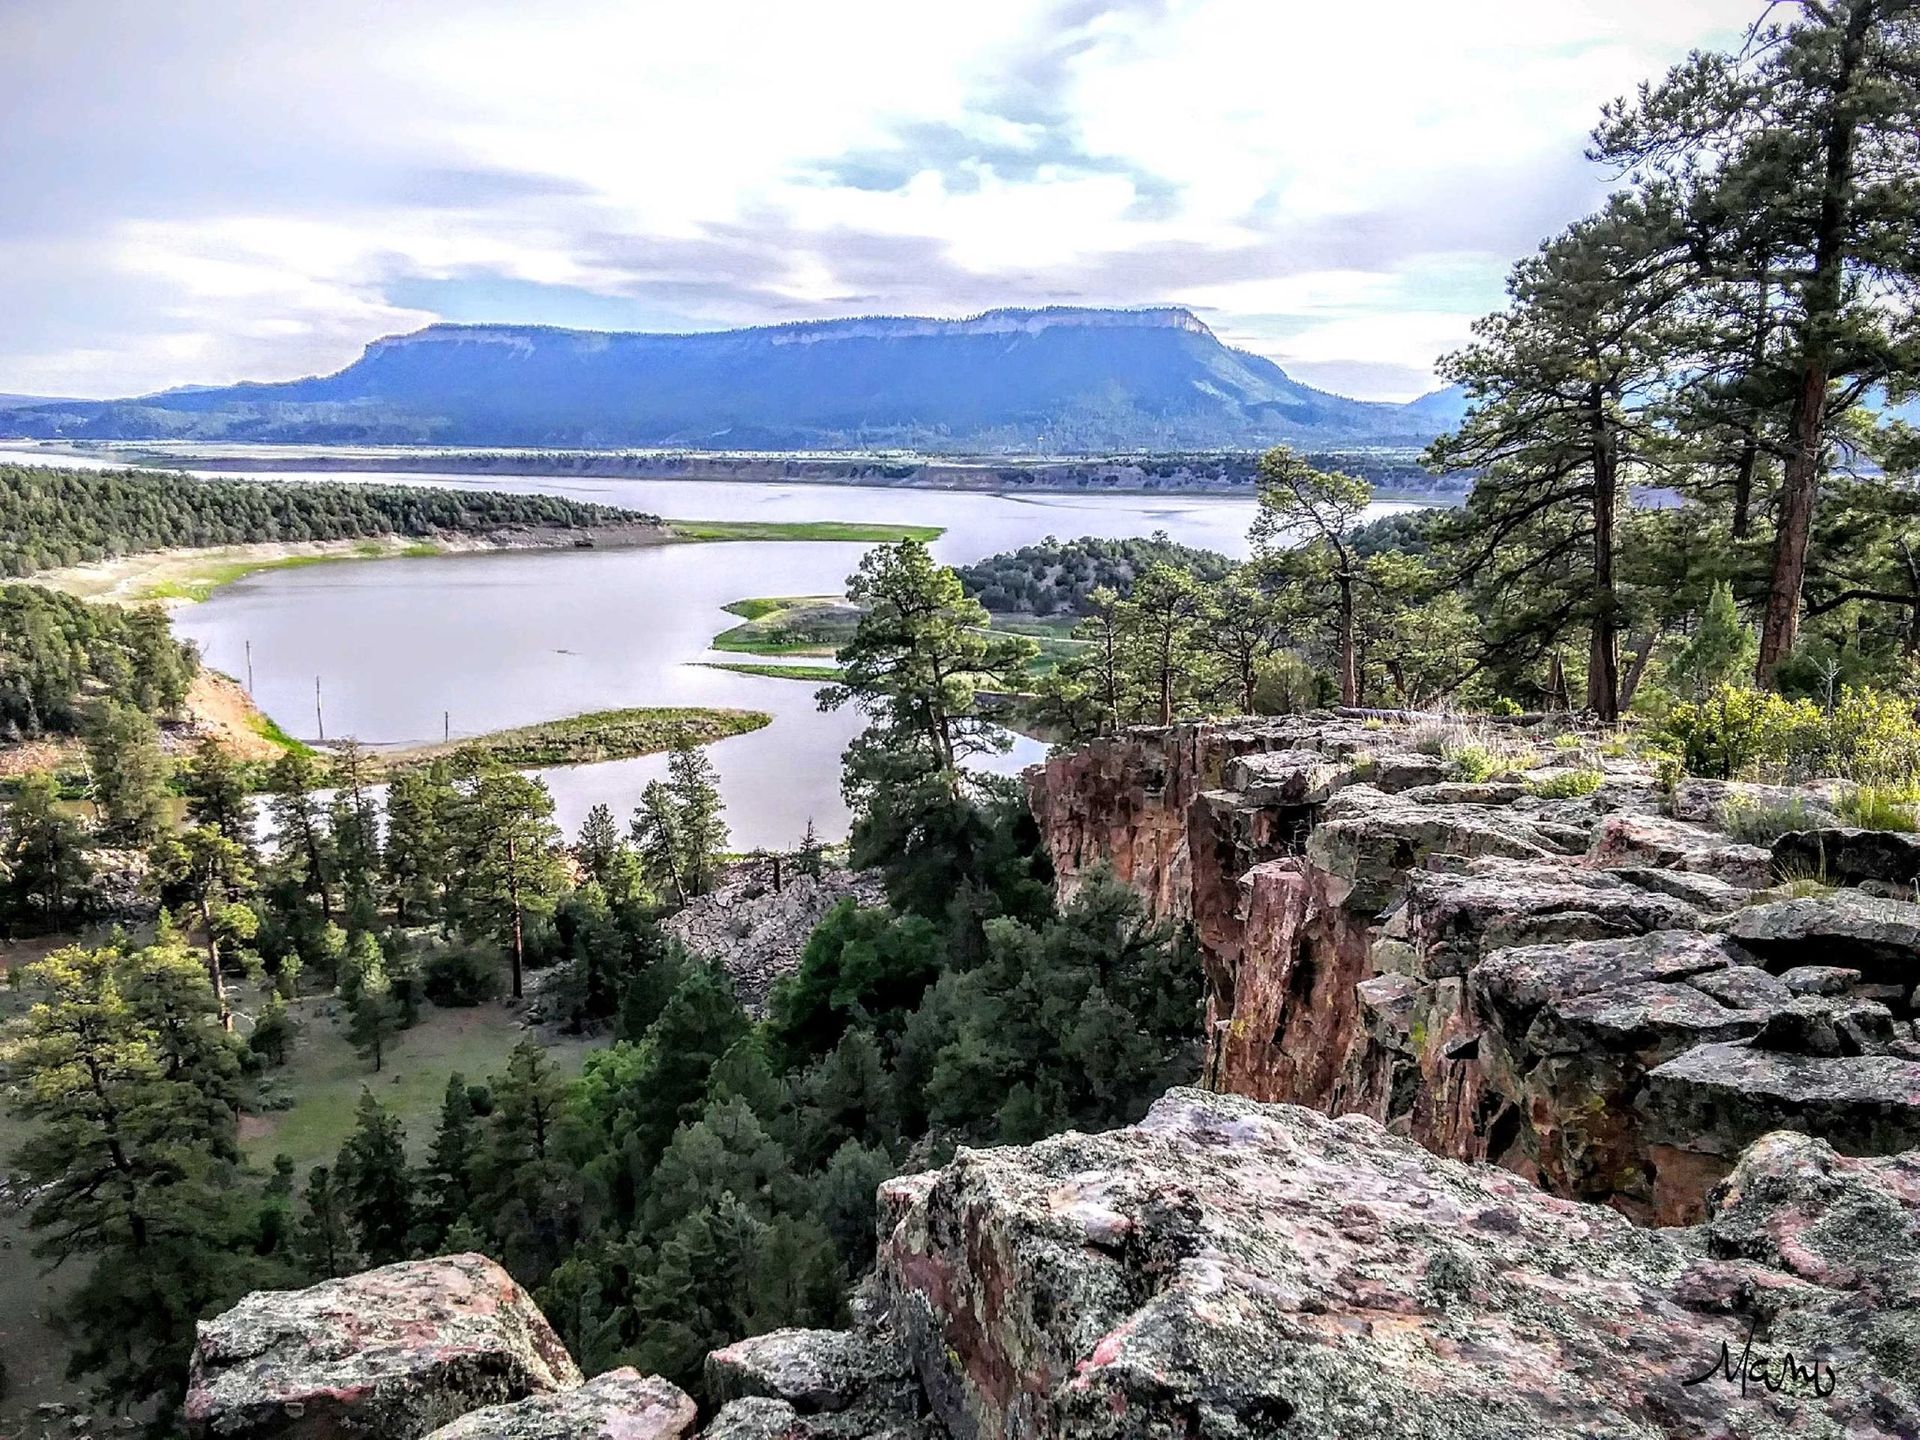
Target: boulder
x=814 y=1371
x=1368 y=841
x=1230 y=1270
x=1878 y=937
x=393 y=1353
x=757 y=933
x=1842 y=855
x=759 y=1418
x=619 y=1405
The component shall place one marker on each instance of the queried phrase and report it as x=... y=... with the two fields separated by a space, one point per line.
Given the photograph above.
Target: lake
x=478 y=642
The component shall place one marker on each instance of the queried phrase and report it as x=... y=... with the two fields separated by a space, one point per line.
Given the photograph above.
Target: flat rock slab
x=393 y=1353
x=1876 y=936
x=619 y=1405
x=1717 y=1099
x=1232 y=1270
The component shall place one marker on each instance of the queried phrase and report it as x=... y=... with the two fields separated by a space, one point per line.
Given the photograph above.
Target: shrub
x=1882 y=807
x=1869 y=736
x=459 y=975
x=1568 y=740
x=1732 y=730
x=1568 y=784
x=1475 y=764
x=1759 y=820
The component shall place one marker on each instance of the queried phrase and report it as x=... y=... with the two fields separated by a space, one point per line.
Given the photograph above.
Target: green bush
x=1475 y=764
x=1733 y=730
x=1568 y=785
x=460 y=975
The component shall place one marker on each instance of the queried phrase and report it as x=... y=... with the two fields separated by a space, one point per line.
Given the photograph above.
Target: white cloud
x=224 y=191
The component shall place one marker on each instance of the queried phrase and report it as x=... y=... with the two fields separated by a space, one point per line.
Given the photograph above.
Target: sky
x=206 y=191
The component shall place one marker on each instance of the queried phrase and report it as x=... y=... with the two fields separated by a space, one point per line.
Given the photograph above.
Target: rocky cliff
x=1604 y=993
x=1514 y=1027
x=1222 y=1271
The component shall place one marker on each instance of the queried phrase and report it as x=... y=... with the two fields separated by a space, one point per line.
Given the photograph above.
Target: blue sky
x=214 y=190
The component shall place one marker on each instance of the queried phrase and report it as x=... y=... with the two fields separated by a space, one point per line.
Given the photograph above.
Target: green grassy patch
x=817 y=674
x=790 y=625
x=857 y=532
x=591 y=738
x=324 y=1074
x=204 y=577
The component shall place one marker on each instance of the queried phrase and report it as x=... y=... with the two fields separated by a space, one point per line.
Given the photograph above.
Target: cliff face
x=1590 y=992
x=1224 y=1270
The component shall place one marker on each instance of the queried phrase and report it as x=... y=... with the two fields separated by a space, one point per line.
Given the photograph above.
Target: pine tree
x=325 y=1240
x=216 y=795
x=810 y=858
x=375 y=1184
x=415 y=855
x=374 y=1015
x=127 y=1081
x=305 y=866
x=1314 y=513
x=213 y=872
x=43 y=857
x=129 y=772
x=696 y=798
x=656 y=834
x=448 y=1180
x=514 y=869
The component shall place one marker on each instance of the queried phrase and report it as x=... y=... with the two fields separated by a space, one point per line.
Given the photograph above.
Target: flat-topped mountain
x=1054 y=380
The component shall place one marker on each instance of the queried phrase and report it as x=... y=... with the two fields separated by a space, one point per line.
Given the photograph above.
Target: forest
x=53 y=517
x=1731 y=329
x=58 y=653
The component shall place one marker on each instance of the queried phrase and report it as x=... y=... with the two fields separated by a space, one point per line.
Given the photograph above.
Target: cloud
x=217 y=190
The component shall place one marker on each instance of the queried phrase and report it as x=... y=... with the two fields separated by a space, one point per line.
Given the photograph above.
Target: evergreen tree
x=514 y=869
x=43 y=857
x=375 y=1185
x=213 y=872
x=161 y=668
x=1315 y=513
x=448 y=1180
x=374 y=1014
x=1160 y=626
x=526 y=1188
x=121 y=1070
x=216 y=795
x=696 y=800
x=325 y=1241
x=415 y=855
x=921 y=653
x=662 y=848
x=305 y=871
x=129 y=772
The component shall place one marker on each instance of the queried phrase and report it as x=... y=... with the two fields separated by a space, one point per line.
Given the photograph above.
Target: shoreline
x=186 y=576
x=1227 y=474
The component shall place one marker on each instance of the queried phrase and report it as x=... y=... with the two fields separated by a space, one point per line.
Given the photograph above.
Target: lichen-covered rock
x=619 y=1405
x=812 y=1370
x=393 y=1354
x=759 y=1418
x=1230 y=1270
x=1869 y=933
x=1661 y=843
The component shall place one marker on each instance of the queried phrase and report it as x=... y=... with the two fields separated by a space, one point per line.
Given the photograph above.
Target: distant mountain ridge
x=1059 y=379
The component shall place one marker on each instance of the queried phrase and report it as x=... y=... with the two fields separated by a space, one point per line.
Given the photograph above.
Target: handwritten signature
x=1786 y=1375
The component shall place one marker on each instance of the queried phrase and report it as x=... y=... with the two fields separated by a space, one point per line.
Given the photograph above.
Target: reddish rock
x=1229 y=1270
x=392 y=1353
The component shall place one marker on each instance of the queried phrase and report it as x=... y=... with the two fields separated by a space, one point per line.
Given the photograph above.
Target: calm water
x=479 y=642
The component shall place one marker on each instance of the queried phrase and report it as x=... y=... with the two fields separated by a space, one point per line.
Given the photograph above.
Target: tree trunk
x=1780 y=628
x=513 y=901
x=213 y=965
x=1349 y=651
x=1603 y=663
x=1824 y=298
x=1642 y=653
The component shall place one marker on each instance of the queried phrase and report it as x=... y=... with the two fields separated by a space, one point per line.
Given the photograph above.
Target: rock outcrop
x=393 y=1353
x=1591 y=991
x=1229 y=1270
x=758 y=932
